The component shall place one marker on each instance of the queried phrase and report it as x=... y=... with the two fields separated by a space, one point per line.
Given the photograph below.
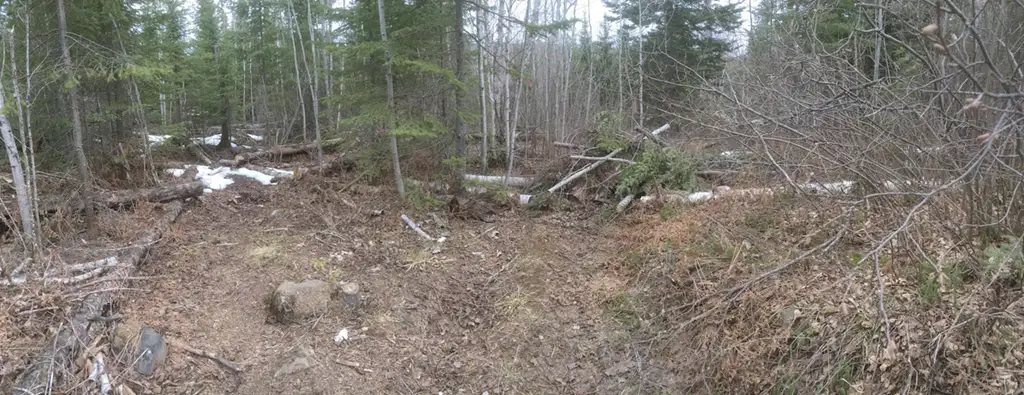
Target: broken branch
x=416 y=227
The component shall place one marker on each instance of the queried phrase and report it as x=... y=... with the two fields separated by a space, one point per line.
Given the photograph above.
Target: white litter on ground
x=341 y=336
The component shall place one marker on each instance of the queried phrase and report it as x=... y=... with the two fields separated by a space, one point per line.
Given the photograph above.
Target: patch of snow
x=255 y=137
x=217 y=178
x=262 y=178
x=211 y=140
x=157 y=139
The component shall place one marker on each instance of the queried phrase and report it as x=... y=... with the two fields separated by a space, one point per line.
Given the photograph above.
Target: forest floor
x=719 y=297
x=509 y=306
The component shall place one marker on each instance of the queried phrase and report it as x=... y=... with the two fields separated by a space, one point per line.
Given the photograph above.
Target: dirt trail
x=513 y=306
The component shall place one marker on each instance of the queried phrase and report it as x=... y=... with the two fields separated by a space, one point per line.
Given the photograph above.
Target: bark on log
x=198 y=151
x=278 y=151
x=155 y=195
x=510 y=181
x=569 y=145
x=59 y=356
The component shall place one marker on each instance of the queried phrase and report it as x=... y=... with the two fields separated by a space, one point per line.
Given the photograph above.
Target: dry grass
x=816 y=326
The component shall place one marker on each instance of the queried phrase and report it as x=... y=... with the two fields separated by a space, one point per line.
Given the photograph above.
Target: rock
x=293 y=302
x=301 y=359
x=152 y=351
x=350 y=295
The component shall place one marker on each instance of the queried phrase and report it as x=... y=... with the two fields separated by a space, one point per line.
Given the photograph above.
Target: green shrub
x=665 y=168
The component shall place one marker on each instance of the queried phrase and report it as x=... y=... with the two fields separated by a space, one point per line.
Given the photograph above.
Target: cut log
x=55 y=361
x=155 y=195
x=624 y=203
x=510 y=181
x=581 y=172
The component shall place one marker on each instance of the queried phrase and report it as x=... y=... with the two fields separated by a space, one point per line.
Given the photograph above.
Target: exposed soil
x=513 y=306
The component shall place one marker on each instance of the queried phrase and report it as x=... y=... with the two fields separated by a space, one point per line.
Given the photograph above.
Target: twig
x=881 y=300
x=354 y=181
x=416 y=228
x=354 y=365
x=234 y=367
x=737 y=291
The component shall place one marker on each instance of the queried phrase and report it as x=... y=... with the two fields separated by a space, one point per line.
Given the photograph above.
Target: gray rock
x=301 y=358
x=152 y=351
x=292 y=302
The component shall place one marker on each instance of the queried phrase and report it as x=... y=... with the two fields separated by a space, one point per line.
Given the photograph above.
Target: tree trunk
x=314 y=86
x=483 y=90
x=26 y=163
x=76 y=125
x=298 y=80
x=399 y=182
x=460 y=97
x=20 y=189
x=225 y=102
x=878 y=42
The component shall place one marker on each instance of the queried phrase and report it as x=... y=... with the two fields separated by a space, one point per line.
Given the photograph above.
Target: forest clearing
x=511 y=197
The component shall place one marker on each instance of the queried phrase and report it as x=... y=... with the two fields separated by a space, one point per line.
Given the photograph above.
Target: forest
x=511 y=196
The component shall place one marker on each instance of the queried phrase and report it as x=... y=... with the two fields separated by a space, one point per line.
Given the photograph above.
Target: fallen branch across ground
x=234 y=367
x=416 y=228
x=48 y=368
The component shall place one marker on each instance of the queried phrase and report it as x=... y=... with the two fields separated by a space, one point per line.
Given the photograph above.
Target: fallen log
x=50 y=366
x=510 y=181
x=154 y=195
x=198 y=151
x=278 y=151
x=569 y=145
x=652 y=136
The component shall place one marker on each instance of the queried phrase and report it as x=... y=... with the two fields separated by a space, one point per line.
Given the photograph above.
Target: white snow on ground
x=155 y=139
x=212 y=140
x=217 y=178
x=255 y=137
